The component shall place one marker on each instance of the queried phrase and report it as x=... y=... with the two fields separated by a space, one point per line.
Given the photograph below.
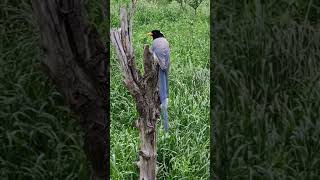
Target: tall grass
x=266 y=89
x=184 y=153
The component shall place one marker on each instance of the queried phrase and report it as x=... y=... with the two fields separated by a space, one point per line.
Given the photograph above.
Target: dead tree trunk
x=77 y=62
x=144 y=89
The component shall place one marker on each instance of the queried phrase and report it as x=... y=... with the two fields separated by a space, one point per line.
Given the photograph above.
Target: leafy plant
x=194 y=4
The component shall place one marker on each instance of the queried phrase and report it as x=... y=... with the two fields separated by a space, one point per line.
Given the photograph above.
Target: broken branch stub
x=144 y=89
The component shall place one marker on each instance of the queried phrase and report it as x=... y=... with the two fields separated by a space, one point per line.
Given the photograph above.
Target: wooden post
x=144 y=89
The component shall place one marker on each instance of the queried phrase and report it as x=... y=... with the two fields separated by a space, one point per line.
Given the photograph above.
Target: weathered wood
x=77 y=62
x=144 y=89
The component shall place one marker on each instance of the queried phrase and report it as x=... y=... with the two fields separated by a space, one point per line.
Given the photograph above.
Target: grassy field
x=266 y=89
x=184 y=154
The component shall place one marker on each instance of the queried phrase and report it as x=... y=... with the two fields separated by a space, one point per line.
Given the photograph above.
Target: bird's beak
x=149 y=34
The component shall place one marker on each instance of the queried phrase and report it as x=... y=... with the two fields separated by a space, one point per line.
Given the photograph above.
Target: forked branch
x=144 y=89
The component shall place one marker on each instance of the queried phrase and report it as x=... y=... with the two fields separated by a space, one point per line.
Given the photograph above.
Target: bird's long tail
x=165 y=115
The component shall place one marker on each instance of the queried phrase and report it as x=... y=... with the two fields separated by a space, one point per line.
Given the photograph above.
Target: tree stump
x=144 y=89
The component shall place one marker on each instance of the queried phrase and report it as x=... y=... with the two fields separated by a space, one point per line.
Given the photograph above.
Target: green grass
x=266 y=90
x=184 y=154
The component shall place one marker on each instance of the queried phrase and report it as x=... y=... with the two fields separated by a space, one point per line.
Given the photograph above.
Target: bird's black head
x=155 y=34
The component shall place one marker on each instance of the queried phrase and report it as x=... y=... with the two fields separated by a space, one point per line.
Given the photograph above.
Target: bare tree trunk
x=77 y=62
x=144 y=89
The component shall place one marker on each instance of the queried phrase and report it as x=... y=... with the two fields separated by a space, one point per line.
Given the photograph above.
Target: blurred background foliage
x=39 y=137
x=266 y=89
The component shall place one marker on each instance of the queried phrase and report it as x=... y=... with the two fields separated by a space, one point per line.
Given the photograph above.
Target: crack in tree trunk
x=144 y=89
x=76 y=61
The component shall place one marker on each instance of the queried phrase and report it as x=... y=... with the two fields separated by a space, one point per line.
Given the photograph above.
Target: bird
x=161 y=54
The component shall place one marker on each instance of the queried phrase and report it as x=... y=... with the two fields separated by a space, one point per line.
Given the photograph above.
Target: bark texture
x=144 y=89
x=77 y=61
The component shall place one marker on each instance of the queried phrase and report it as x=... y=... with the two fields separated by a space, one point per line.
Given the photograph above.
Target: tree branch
x=144 y=89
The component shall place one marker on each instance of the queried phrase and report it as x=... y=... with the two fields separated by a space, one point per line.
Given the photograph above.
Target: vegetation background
x=184 y=153
x=266 y=89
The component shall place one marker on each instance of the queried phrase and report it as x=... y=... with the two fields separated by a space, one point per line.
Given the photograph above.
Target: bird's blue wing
x=160 y=48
